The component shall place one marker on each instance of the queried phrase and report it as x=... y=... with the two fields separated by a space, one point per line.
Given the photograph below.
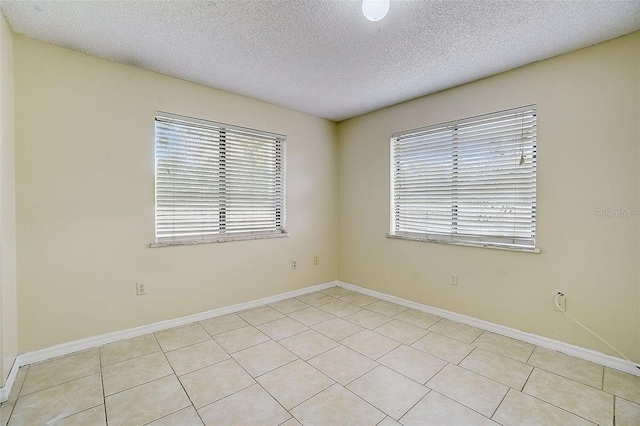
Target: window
x=216 y=182
x=470 y=181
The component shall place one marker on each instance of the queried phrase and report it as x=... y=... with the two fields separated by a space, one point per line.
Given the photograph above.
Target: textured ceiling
x=324 y=57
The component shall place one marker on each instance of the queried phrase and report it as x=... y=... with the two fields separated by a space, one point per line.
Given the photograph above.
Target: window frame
x=222 y=236
x=495 y=242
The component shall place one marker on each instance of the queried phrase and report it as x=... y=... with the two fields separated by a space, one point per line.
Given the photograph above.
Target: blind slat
x=468 y=180
x=214 y=179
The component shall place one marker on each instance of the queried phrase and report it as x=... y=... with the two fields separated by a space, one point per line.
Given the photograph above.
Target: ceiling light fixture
x=375 y=10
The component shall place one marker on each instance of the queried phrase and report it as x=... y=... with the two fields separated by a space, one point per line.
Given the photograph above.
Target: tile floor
x=328 y=358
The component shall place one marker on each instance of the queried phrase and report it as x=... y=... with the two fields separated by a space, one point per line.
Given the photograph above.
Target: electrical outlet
x=562 y=301
x=294 y=264
x=141 y=289
x=454 y=279
x=316 y=260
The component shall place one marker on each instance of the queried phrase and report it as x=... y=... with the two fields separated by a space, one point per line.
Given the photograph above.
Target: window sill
x=467 y=243
x=221 y=239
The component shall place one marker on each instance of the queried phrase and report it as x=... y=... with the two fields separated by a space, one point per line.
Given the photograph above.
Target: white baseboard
x=103 y=339
x=577 y=351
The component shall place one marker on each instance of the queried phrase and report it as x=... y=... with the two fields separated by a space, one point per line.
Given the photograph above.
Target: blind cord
x=586 y=328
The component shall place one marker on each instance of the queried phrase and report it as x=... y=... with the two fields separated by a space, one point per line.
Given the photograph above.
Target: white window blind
x=467 y=181
x=217 y=182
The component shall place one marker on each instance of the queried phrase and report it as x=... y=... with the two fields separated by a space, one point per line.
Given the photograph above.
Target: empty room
x=310 y=212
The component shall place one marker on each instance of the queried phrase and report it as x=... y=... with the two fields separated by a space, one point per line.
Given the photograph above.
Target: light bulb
x=375 y=10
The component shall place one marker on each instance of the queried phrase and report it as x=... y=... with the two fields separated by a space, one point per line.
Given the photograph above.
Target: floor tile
x=413 y=363
x=401 y=331
x=134 y=372
x=417 y=318
x=470 y=389
x=316 y=299
x=194 y=357
x=438 y=410
x=212 y=383
x=311 y=316
x=388 y=421
x=223 y=324
x=127 y=349
x=289 y=305
x=291 y=422
x=337 y=406
x=182 y=336
x=146 y=403
x=370 y=344
x=386 y=308
x=17 y=385
x=337 y=292
x=521 y=409
x=92 y=417
x=456 y=330
x=367 y=319
x=578 y=398
x=251 y=406
x=567 y=366
x=58 y=402
x=260 y=315
x=337 y=328
x=185 y=417
x=343 y=364
x=262 y=358
x=294 y=383
x=505 y=346
x=340 y=308
x=627 y=413
x=242 y=338
x=359 y=299
x=443 y=347
x=5 y=413
x=60 y=370
x=282 y=328
x=622 y=384
x=390 y=392
x=497 y=367
x=308 y=344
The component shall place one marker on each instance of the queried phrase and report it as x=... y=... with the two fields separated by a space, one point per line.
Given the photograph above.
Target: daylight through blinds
x=471 y=180
x=215 y=181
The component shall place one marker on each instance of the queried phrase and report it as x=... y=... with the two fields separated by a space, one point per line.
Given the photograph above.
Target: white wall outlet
x=141 y=289
x=562 y=301
x=294 y=264
x=454 y=279
x=316 y=260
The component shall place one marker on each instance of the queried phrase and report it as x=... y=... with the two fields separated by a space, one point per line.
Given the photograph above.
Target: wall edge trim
x=545 y=342
x=103 y=339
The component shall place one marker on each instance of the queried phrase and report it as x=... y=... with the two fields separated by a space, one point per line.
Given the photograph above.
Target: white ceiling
x=324 y=57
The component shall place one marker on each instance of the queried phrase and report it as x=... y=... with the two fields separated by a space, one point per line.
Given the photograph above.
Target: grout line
x=500 y=403
x=13 y=406
x=474 y=340
x=181 y=385
x=531 y=354
x=429 y=390
x=526 y=381
x=104 y=397
x=81 y=411
x=59 y=384
x=562 y=408
x=128 y=359
x=466 y=356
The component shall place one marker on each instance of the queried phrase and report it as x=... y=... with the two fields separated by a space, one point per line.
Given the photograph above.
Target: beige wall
x=85 y=200
x=8 y=304
x=588 y=159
